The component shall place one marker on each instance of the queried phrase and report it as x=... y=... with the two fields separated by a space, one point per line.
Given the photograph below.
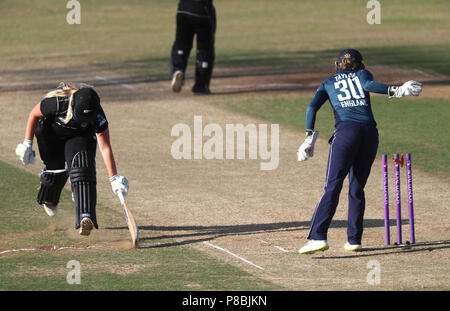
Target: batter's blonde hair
x=67 y=89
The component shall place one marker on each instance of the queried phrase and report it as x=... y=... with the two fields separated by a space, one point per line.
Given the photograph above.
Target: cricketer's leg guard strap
x=84 y=186
x=52 y=183
x=203 y=70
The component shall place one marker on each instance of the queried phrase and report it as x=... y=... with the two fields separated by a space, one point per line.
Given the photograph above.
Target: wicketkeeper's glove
x=306 y=150
x=119 y=185
x=408 y=88
x=25 y=152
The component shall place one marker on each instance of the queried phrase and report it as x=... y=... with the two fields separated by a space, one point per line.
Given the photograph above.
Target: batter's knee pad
x=204 y=62
x=84 y=187
x=52 y=183
x=179 y=58
x=203 y=68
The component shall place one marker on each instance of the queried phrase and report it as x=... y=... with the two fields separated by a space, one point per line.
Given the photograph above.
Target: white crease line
x=116 y=82
x=282 y=249
x=423 y=73
x=278 y=84
x=233 y=86
x=230 y=86
x=239 y=257
x=17 y=250
x=71 y=247
x=54 y=248
x=159 y=89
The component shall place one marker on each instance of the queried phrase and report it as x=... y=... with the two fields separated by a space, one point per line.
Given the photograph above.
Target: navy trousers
x=352 y=152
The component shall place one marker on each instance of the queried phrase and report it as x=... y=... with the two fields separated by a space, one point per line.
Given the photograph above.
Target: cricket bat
x=134 y=230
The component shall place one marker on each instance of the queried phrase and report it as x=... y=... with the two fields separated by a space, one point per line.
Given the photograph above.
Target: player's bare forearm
x=110 y=163
x=32 y=123
x=107 y=153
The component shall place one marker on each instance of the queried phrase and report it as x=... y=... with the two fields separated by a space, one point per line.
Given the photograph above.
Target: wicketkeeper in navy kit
x=67 y=123
x=353 y=146
x=194 y=17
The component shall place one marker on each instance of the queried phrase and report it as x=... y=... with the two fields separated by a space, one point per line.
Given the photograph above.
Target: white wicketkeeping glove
x=306 y=150
x=408 y=88
x=119 y=185
x=25 y=153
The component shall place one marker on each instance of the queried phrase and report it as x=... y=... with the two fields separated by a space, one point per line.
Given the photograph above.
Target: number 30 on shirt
x=348 y=90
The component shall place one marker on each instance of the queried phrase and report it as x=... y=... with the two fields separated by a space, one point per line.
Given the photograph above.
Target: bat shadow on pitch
x=197 y=234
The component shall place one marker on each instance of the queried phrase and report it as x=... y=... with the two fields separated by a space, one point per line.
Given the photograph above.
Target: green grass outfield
x=136 y=37
x=24 y=225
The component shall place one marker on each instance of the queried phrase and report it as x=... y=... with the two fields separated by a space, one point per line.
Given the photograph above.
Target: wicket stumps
x=387 y=232
x=412 y=231
x=397 y=165
x=398 y=203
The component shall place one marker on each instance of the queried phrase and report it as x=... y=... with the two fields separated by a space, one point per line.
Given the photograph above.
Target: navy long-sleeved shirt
x=348 y=93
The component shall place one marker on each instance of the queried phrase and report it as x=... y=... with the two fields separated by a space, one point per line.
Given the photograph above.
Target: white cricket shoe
x=353 y=247
x=51 y=210
x=86 y=225
x=177 y=81
x=314 y=246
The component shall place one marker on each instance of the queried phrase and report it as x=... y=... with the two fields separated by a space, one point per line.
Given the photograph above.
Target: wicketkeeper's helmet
x=352 y=57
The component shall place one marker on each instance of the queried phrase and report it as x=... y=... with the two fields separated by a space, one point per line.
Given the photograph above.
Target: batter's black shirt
x=54 y=110
x=195 y=7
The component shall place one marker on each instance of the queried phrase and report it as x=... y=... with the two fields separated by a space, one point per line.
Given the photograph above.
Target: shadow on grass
x=256 y=63
x=432 y=57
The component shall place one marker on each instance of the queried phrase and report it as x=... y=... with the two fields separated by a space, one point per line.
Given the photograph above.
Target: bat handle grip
x=121 y=198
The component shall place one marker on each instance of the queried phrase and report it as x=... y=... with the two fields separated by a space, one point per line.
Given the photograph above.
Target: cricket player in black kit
x=194 y=17
x=67 y=123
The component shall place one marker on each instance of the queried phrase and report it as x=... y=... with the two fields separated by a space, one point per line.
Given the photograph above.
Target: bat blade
x=132 y=227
